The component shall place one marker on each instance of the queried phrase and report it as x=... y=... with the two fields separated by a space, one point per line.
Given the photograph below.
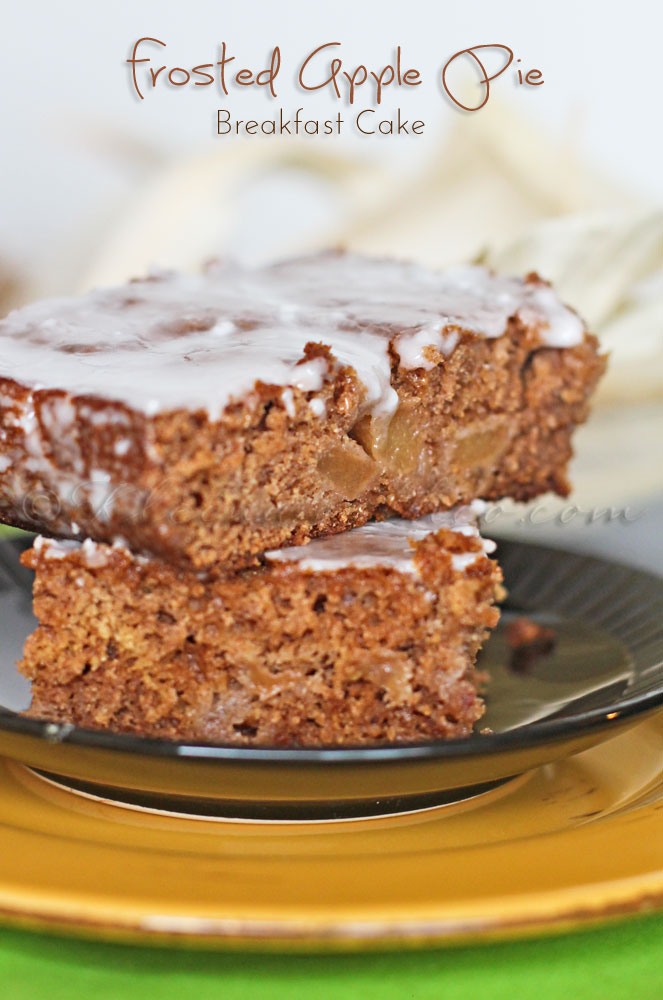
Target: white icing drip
x=317 y=406
x=95 y=554
x=197 y=341
x=51 y=549
x=58 y=416
x=542 y=300
x=104 y=417
x=386 y=543
x=411 y=347
x=100 y=494
x=288 y=402
x=309 y=375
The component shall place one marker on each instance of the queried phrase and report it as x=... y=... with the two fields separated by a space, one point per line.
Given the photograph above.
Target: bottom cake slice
x=364 y=637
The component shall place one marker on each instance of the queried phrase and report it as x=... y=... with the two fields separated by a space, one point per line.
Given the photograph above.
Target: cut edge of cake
x=341 y=645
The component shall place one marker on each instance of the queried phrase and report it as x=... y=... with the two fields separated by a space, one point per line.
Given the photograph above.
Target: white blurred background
x=565 y=178
x=78 y=146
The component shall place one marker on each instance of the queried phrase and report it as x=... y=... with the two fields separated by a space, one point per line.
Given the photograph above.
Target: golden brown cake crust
x=493 y=419
x=275 y=654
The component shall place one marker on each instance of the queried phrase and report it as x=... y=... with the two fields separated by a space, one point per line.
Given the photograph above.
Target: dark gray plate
x=604 y=673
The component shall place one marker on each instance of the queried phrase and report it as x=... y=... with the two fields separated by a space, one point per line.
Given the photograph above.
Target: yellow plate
x=577 y=841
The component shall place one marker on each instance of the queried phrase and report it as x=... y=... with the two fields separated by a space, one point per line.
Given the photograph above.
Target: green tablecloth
x=624 y=959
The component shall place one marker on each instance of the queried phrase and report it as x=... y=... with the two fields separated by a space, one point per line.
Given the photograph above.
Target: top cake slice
x=207 y=418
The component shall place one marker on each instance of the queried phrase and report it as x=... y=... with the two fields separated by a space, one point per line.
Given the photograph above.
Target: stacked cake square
x=258 y=491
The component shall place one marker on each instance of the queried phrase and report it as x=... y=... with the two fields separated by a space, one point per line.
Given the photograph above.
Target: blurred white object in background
x=609 y=266
x=488 y=182
x=496 y=190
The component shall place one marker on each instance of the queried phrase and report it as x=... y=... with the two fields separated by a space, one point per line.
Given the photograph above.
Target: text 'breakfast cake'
x=362 y=637
x=207 y=418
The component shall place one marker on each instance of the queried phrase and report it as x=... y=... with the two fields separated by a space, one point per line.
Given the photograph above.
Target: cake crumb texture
x=272 y=655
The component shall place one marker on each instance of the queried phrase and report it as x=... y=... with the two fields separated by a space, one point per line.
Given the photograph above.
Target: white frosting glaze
x=379 y=543
x=52 y=549
x=197 y=341
x=95 y=554
x=121 y=447
x=288 y=402
x=386 y=543
x=318 y=407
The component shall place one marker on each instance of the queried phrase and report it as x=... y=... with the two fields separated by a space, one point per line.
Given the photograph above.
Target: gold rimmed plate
x=603 y=675
x=572 y=843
